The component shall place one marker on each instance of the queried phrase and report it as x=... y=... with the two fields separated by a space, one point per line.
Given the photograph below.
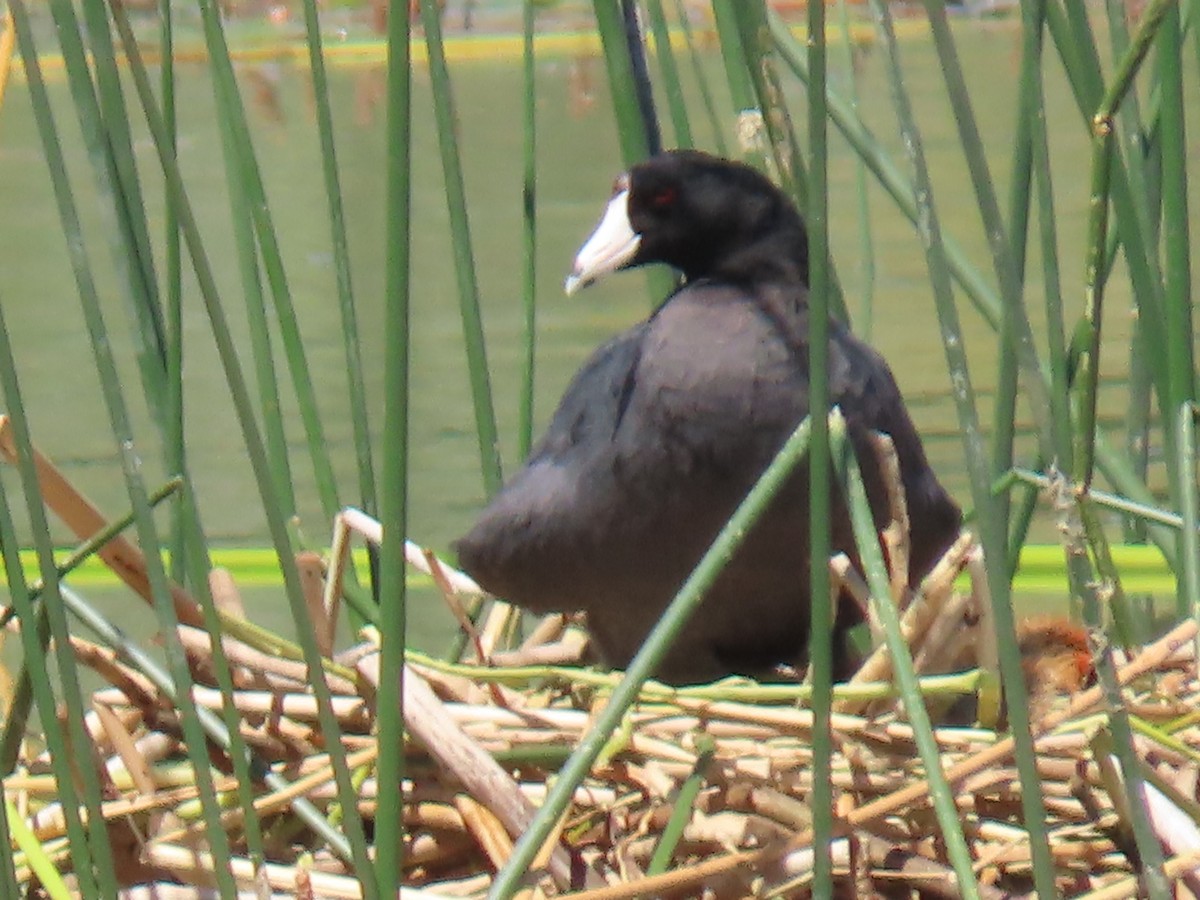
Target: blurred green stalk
x=389 y=771
x=464 y=260
x=529 y=233
x=991 y=526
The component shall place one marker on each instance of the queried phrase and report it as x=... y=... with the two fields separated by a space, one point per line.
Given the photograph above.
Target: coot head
x=705 y=216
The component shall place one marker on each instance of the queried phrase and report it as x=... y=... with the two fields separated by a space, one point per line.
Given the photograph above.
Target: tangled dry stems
x=486 y=736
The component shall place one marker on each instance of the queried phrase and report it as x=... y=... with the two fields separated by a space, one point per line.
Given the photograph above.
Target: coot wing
x=536 y=541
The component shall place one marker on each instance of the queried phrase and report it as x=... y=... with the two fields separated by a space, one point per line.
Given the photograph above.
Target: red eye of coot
x=663 y=198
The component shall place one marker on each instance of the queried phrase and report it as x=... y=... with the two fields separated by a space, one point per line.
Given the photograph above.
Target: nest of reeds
x=705 y=791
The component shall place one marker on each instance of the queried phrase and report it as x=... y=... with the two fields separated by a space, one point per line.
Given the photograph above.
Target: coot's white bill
x=611 y=246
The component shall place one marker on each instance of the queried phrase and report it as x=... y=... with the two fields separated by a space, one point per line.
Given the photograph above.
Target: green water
x=578 y=158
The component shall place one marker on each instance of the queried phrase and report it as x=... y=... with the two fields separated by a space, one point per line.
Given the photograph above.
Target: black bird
x=666 y=428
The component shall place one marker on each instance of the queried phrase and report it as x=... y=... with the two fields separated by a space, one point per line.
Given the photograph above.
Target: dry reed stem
x=489 y=834
x=450 y=598
x=751 y=819
x=895 y=534
x=253 y=667
x=1129 y=887
x=371 y=530
x=1084 y=701
x=916 y=619
x=911 y=795
x=567 y=650
x=312 y=585
x=122 y=742
x=85 y=520
x=197 y=866
x=225 y=594
x=351 y=711
x=136 y=689
x=426 y=718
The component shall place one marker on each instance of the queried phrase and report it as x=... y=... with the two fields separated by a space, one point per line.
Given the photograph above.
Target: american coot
x=667 y=426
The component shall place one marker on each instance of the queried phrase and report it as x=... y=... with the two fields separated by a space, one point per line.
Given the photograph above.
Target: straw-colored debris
x=485 y=738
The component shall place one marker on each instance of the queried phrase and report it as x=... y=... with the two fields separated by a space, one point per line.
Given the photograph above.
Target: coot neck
x=775 y=258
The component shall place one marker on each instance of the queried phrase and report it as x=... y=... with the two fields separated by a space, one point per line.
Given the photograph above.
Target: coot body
x=666 y=428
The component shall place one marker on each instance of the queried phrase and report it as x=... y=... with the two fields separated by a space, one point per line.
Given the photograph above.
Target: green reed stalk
x=1124 y=629
x=1032 y=165
x=991 y=527
x=127 y=450
x=1146 y=178
x=389 y=773
x=672 y=621
x=821 y=301
x=733 y=54
x=783 y=147
x=92 y=853
x=1082 y=521
x=1104 y=165
x=246 y=178
x=1076 y=45
x=1087 y=332
x=464 y=266
x=111 y=151
x=1017 y=348
x=356 y=383
x=1143 y=512
x=50 y=877
x=1188 y=599
x=1056 y=341
x=866 y=538
x=131 y=469
x=1118 y=471
x=529 y=232
x=864 y=322
x=258 y=326
x=161 y=377
x=105 y=127
x=570 y=677
x=239 y=394
x=672 y=86
x=1141 y=165
x=173 y=429
x=464 y=260
x=898 y=186
x=685 y=807
x=1017 y=334
x=1019 y=524
x=1175 y=232
x=1029 y=106
x=702 y=85
x=631 y=128
x=35 y=638
x=1137 y=421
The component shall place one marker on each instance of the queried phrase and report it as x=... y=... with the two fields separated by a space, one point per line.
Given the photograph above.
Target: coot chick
x=666 y=428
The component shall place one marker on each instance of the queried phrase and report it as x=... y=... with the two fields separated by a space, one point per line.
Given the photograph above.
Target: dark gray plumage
x=666 y=427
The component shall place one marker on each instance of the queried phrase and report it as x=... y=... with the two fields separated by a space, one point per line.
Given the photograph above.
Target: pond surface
x=577 y=160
